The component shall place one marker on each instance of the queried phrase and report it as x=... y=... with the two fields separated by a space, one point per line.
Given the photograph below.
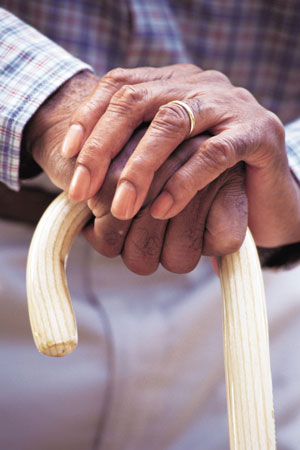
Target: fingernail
x=124 y=201
x=162 y=205
x=72 y=141
x=79 y=187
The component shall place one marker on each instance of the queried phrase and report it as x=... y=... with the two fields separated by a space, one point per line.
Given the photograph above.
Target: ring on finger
x=189 y=112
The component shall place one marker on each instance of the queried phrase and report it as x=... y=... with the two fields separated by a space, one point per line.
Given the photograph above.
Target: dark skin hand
x=240 y=129
x=202 y=228
x=219 y=210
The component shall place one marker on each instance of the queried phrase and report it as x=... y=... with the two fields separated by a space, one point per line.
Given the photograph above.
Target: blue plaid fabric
x=292 y=139
x=31 y=68
x=254 y=42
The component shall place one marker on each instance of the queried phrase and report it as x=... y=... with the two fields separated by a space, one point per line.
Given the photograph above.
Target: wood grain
x=246 y=351
x=51 y=314
x=246 y=342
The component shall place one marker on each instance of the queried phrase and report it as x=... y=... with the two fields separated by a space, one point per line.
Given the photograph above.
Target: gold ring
x=189 y=111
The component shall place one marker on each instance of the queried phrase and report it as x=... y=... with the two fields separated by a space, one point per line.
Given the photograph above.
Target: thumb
x=228 y=216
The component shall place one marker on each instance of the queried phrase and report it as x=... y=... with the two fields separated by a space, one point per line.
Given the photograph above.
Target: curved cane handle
x=246 y=344
x=51 y=314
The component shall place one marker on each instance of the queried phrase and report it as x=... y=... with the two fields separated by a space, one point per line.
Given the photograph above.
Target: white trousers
x=148 y=373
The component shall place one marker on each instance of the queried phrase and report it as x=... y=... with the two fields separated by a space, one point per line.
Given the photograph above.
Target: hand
x=44 y=133
x=213 y=223
x=143 y=242
x=241 y=129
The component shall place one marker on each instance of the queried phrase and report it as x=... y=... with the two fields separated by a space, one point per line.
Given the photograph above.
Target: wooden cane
x=245 y=329
x=246 y=351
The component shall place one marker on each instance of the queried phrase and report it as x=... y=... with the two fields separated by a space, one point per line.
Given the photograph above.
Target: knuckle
x=170 y=118
x=231 y=244
x=176 y=263
x=191 y=68
x=216 y=75
x=116 y=76
x=104 y=240
x=141 y=254
x=243 y=93
x=110 y=234
x=149 y=244
x=91 y=154
x=111 y=243
x=84 y=113
x=131 y=94
x=128 y=98
x=208 y=105
x=90 y=151
x=275 y=126
x=226 y=240
x=218 y=153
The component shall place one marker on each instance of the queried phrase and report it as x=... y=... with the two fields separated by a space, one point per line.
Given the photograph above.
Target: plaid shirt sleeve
x=286 y=255
x=292 y=140
x=31 y=68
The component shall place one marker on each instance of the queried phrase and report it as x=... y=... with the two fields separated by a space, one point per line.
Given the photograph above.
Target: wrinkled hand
x=241 y=130
x=213 y=223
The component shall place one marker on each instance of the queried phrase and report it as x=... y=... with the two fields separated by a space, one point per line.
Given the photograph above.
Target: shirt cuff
x=32 y=68
x=292 y=142
x=284 y=257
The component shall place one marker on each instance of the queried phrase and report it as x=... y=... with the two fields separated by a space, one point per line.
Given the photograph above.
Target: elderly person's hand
x=213 y=223
x=216 y=212
x=240 y=128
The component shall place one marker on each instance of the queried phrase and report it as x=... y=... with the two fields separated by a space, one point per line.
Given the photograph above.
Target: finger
x=170 y=126
x=184 y=237
x=228 y=217
x=213 y=157
x=107 y=235
x=87 y=115
x=145 y=241
x=185 y=233
x=143 y=244
x=128 y=108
